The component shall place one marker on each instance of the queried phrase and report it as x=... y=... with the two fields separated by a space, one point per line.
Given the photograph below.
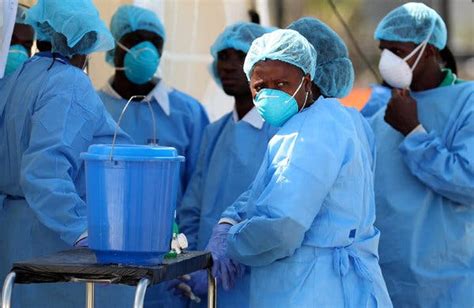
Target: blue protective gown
x=306 y=224
x=378 y=99
x=231 y=153
x=49 y=114
x=424 y=185
x=180 y=122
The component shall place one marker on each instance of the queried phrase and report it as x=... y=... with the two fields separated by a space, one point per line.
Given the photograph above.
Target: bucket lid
x=131 y=152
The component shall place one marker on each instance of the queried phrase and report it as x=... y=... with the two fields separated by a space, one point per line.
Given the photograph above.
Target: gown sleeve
x=63 y=125
x=448 y=170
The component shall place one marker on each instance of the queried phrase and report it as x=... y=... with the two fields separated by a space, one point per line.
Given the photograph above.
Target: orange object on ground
x=357 y=98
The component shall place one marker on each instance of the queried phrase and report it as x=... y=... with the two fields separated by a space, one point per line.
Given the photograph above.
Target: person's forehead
x=394 y=44
x=231 y=50
x=140 y=36
x=275 y=69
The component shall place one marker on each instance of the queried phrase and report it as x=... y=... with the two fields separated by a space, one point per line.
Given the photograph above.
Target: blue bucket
x=131 y=199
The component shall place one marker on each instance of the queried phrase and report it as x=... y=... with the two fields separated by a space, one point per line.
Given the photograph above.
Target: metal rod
x=211 y=291
x=123 y=113
x=7 y=290
x=140 y=293
x=90 y=295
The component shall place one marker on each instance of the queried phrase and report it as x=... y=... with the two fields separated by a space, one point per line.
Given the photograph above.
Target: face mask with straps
x=276 y=107
x=140 y=62
x=395 y=70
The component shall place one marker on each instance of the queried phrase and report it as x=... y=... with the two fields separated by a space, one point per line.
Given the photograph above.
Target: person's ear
x=430 y=51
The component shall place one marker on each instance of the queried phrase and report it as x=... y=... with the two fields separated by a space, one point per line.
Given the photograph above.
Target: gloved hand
x=82 y=242
x=192 y=286
x=223 y=268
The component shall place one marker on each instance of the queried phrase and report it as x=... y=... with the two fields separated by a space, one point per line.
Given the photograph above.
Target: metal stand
x=138 y=302
x=90 y=303
x=140 y=293
x=211 y=291
x=7 y=290
x=80 y=265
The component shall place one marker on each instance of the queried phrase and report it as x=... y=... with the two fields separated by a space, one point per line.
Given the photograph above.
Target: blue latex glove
x=82 y=242
x=223 y=268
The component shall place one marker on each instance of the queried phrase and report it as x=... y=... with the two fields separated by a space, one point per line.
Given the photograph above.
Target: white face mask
x=395 y=70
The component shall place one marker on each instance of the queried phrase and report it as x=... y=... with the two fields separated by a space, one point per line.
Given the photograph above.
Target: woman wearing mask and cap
x=231 y=152
x=424 y=180
x=49 y=114
x=180 y=119
x=305 y=226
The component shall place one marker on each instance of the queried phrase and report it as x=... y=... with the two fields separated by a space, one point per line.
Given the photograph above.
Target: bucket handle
x=121 y=116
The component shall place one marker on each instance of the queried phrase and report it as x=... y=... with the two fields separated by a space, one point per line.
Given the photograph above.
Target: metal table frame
x=139 y=293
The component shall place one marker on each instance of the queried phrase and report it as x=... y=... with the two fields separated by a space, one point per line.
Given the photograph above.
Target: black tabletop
x=81 y=263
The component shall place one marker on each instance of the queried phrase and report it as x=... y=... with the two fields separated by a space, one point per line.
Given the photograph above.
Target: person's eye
x=397 y=52
x=280 y=84
x=222 y=56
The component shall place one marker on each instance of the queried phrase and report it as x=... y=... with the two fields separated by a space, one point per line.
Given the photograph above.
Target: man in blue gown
x=424 y=180
x=179 y=119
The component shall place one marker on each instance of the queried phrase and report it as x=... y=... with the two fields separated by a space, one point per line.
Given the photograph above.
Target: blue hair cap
x=283 y=45
x=334 y=74
x=413 y=22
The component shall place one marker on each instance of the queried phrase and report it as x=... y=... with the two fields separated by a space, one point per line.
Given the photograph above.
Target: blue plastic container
x=131 y=199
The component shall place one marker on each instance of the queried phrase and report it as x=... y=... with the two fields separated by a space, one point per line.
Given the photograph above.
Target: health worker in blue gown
x=305 y=225
x=231 y=152
x=21 y=42
x=424 y=180
x=180 y=119
x=49 y=114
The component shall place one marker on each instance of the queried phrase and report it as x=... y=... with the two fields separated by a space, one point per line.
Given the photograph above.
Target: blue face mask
x=17 y=55
x=276 y=106
x=140 y=62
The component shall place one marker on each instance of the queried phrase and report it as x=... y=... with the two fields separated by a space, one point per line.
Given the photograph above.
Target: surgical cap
x=130 y=18
x=413 y=22
x=283 y=45
x=238 y=36
x=21 y=14
x=334 y=74
x=72 y=26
